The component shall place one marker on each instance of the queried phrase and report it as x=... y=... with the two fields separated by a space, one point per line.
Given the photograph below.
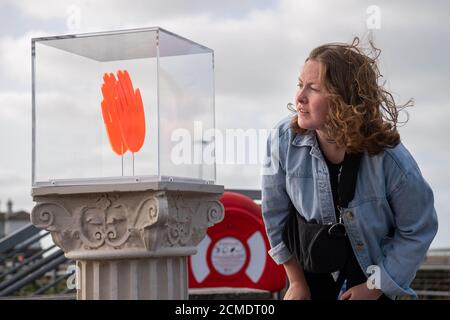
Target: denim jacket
x=390 y=222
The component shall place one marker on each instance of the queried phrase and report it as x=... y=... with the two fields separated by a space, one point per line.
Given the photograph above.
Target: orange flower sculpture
x=123 y=113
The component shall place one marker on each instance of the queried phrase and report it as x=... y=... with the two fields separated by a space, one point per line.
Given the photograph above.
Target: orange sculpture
x=123 y=113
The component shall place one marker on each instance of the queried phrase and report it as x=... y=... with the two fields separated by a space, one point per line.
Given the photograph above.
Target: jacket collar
x=305 y=140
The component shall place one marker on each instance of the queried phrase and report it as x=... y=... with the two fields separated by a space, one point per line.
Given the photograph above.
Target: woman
x=342 y=110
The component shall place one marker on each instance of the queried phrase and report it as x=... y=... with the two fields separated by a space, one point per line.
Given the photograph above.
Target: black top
x=352 y=272
x=334 y=171
x=343 y=178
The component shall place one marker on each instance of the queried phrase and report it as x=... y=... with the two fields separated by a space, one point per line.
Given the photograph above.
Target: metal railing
x=26 y=266
x=10 y=242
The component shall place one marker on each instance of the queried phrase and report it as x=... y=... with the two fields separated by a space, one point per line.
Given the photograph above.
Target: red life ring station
x=234 y=251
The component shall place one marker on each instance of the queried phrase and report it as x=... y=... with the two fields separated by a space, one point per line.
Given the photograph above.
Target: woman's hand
x=361 y=292
x=298 y=287
x=298 y=291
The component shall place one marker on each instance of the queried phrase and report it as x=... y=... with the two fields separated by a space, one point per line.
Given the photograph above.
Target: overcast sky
x=259 y=49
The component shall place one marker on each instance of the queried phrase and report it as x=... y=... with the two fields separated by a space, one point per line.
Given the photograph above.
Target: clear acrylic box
x=150 y=123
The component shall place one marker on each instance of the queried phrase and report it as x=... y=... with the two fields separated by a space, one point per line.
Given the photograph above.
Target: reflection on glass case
x=124 y=106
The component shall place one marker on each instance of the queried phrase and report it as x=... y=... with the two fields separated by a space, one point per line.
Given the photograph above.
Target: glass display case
x=123 y=106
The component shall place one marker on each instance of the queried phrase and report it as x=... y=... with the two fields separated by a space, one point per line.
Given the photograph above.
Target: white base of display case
x=124 y=184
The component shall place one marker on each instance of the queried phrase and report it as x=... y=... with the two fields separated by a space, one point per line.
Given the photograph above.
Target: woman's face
x=311 y=102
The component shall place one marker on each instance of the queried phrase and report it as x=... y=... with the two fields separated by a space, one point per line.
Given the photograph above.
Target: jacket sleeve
x=416 y=225
x=275 y=200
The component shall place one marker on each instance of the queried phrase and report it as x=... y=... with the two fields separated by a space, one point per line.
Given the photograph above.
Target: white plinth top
x=126 y=186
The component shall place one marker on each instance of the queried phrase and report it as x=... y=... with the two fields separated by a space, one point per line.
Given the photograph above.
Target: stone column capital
x=127 y=225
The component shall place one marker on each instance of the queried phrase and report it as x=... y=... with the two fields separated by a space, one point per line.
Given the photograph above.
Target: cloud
x=137 y=10
x=15 y=159
x=15 y=61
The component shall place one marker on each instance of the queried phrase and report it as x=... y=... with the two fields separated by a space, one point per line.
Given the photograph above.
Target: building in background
x=11 y=221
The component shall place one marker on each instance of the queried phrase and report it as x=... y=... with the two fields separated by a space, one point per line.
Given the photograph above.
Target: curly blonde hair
x=363 y=115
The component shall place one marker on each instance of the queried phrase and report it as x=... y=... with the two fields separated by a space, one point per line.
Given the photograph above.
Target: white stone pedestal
x=129 y=244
